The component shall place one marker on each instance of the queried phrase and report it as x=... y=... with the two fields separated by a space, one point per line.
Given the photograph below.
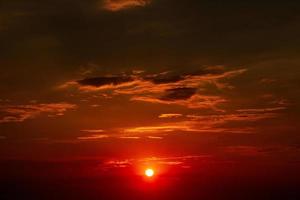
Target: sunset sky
x=171 y=82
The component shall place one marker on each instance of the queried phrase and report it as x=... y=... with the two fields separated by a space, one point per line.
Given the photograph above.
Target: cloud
x=160 y=128
x=155 y=137
x=105 y=80
x=117 y=163
x=93 y=137
x=217 y=119
x=101 y=84
x=262 y=109
x=164 y=161
x=170 y=115
x=170 y=88
x=93 y=131
x=182 y=93
x=20 y=113
x=164 y=78
x=130 y=137
x=217 y=123
x=116 y=135
x=185 y=126
x=196 y=101
x=174 y=160
x=239 y=122
x=117 y=5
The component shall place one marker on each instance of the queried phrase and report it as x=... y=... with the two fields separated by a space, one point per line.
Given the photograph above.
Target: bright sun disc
x=149 y=172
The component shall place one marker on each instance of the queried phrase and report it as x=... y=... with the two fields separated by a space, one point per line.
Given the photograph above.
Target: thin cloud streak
x=159 y=129
x=93 y=137
x=117 y=5
x=208 y=123
x=170 y=115
x=196 y=101
x=20 y=113
x=155 y=137
x=93 y=131
x=262 y=109
x=166 y=161
x=130 y=137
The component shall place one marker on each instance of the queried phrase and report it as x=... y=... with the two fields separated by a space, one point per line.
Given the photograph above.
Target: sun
x=149 y=172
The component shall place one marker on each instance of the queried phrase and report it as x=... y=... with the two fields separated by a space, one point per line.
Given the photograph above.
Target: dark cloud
x=179 y=75
x=162 y=79
x=209 y=70
x=171 y=88
x=182 y=93
x=105 y=80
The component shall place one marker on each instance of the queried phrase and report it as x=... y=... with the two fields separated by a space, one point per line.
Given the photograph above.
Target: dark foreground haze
x=85 y=180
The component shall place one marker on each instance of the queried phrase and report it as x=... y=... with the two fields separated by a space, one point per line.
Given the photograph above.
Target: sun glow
x=149 y=172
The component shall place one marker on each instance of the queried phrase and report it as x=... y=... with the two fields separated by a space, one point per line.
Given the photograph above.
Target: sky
x=173 y=81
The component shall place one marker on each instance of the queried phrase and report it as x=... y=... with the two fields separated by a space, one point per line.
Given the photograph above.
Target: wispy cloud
x=105 y=80
x=160 y=128
x=262 y=110
x=170 y=88
x=117 y=5
x=93 y=137
x=170 y=115
x=220 y=119
x=217 y=123
x=93 y=130
x=239 y=122
x=196 y=101
x=155 y=137
x=117 y=163
x=185 y=126
x=20 y=113
x=165 y=161
x=130 y=137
